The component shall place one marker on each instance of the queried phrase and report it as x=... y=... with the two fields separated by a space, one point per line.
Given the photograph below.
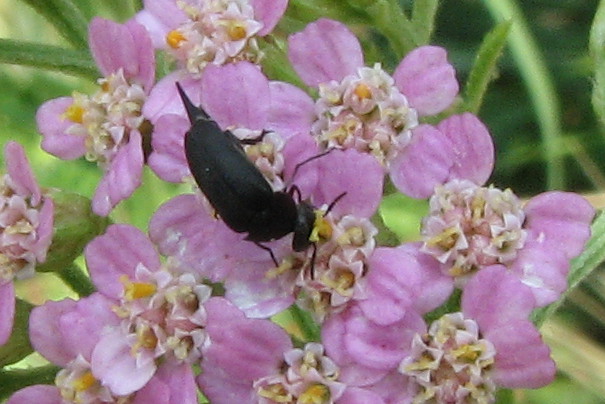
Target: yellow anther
x=363 y=91
x=174 y=39
x=84 y=382
x=236 y=31
x=315 y=394
x=137 y=290
x=276 y=392
x=478 y=207
x=446 y=239
x=146 y=338
x=322 y=230
x=467 y=353
x=74 y=113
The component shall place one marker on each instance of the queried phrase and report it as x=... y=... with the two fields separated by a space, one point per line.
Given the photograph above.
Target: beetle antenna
x=334 y=202
x=194 y=113
x=302 y=163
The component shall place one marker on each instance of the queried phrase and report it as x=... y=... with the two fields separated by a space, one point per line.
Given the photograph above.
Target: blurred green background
x=560 y=28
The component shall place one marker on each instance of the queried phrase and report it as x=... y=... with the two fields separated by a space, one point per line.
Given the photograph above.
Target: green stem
x=66 y=17
x=597 y=51
x=77 y=62
x=390 y=19
x=16 y=379
x=539 y=83
x=309 y=328
x=76 y=279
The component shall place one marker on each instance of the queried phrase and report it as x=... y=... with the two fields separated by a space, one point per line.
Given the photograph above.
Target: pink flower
x=108 y=127
x=255 y=363
x=66 y=332
x=26 y=229
x=470 y=227
x=162 y=314
x=490 y=343
x=198 y=33
x=364 y=107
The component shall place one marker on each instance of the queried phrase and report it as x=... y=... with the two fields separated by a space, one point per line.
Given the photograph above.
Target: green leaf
x=16 y=379
x=66 y=17
x=484 y=69
x=597 y=51
x=75 y=62
x=423 y=19
x=582 y=266
x=539 y=82
x=18 y=346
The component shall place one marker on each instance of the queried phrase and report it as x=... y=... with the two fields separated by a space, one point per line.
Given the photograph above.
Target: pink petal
x=156 y=28
x=297 y=149
x=53 y=127
x=356 y=395
x=427 y=79
x=172 y=384
x=381 y=347
x=543 y=269
x=333 y=333
x=83 y=325
x=164 y=15
x=402 y=279
x=410 y=172
x=7 y=311
x=248 y=100
x=168 y=159
x=494 y=297
x=62 y=330
x=122 y=177
x=116 y=253
x=19 y=170
x=114 y=365
x=164 y=98
x=250 y=350
x=183 y=229
x=522 y=359
x=340 y=172
x=268 y=12
x=117 y=46
x=39 y=394
x=292 y=111
x=472 y=145
x=325 y=50
x=46 y=334
x=45 y=230
x=562 y=218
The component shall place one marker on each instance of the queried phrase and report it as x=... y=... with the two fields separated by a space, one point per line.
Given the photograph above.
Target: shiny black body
x=236 y=188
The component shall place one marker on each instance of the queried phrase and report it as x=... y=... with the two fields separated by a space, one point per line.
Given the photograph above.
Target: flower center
x=216 y=32
x=469 y=227
x=165 y=313
x=365 y=111
x=106 y=119
x=451 y=363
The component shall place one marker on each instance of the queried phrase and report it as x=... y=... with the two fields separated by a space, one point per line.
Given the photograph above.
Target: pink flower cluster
x=156 y=315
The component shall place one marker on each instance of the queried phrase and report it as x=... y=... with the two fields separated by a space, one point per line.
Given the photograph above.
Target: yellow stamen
x=174 y=39
x=321 y=228
x=276 y=392
x=74 y=113
x=446 y=240
x=84 y=382
x=467 y=353
x=137 y=290
x=236 y=31
x=478 y=207
x=315 y=394
x=363 y=91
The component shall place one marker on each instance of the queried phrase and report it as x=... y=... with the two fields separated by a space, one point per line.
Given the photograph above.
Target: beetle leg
x=255 y=140
x=264 y=247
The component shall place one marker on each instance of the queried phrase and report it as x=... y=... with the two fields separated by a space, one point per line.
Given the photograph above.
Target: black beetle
x=238 y=191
